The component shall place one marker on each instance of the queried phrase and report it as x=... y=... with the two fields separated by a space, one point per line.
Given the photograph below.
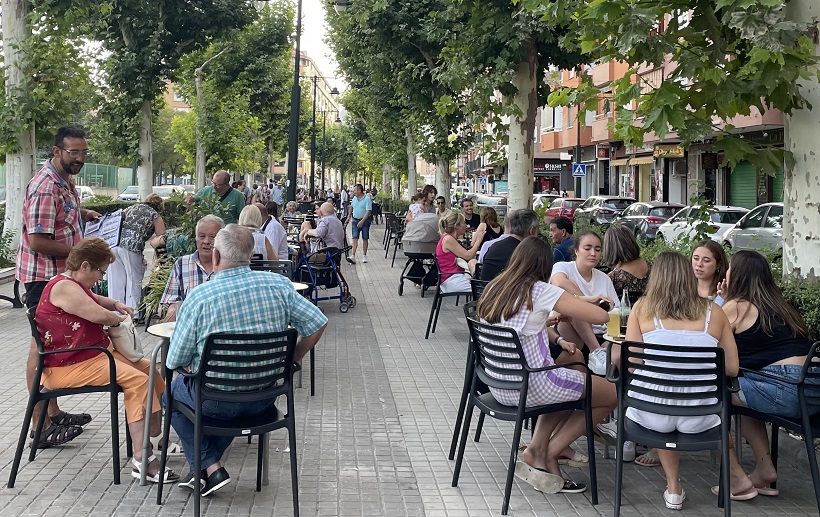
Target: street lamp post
x=295 y=97
x=200 y=107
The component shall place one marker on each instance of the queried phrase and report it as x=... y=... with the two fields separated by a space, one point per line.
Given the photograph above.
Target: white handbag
x=124 y=339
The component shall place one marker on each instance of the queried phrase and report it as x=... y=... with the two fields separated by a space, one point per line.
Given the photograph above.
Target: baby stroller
x=321 y=269
x=419 y=246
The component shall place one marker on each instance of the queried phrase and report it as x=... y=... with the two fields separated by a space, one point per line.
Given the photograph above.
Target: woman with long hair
x=521 y=297
x=672 y=311
x=449 y=249
x=489 y=224
x=251 y=218
x=772 y=338
x=580 y=278
x=622 y=253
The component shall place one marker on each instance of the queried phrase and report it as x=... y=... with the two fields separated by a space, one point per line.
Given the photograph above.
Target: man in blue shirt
x=561 y=235
x=236 y=300
x=362 y=210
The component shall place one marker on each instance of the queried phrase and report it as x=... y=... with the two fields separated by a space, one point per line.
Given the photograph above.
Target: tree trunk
x=801 y=188
x=387 y=173
x=412 y=182
x=443 y=176
x=146 y=157
x=19 y=164
x=521 y=148
x=395 y=187
x=270 y=160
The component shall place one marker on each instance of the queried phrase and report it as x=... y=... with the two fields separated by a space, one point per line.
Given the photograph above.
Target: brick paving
x=372 y=442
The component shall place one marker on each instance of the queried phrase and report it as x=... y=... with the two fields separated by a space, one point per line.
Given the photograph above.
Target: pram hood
x=424 y=228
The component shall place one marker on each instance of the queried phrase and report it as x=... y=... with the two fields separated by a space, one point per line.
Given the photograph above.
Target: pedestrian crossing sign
x=579 y=170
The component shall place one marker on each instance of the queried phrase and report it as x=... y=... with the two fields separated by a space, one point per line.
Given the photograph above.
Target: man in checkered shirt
x=52 y=219
x=235 y=300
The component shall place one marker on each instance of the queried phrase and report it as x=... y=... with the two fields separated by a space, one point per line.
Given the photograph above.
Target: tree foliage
x=720 y=59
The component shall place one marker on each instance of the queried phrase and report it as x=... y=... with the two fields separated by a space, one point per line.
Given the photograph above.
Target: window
x=755 y=218
x=570 y=118
x=558 y=118
x=774 y=219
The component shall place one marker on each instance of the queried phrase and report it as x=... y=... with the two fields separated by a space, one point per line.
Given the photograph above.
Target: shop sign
x=632 y=149
x=602 y=151
x=551 y=166
x=668 y=151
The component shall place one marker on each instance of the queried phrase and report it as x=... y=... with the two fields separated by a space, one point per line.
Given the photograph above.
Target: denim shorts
x=773 y=397
x=364 y=230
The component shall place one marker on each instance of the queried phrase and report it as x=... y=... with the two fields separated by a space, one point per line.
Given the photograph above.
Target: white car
x=166 y=191
x=543 y=200
x=681 y=224
x=761 y=229
x=84 y=192
x=131 y=193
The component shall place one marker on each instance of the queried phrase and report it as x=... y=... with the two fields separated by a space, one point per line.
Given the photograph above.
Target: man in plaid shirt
x=235 y=300
x=52 y=219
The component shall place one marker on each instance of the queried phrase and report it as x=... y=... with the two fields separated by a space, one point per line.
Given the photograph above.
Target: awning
x=624 y=161
x=642 y=160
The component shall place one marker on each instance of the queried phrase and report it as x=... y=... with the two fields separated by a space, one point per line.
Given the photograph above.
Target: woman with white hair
x=251 y=217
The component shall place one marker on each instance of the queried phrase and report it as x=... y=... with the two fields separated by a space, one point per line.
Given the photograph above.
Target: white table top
x=162 y=329
x=615 y=339
x=299 y=286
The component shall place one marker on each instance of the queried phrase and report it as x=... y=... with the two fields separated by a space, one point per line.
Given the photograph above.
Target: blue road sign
x=579 y=170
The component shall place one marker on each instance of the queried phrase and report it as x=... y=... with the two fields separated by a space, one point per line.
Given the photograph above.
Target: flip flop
x=648 y=460
x=767 y=490
x=749 y=493
x=579 y=459
x=539 y=479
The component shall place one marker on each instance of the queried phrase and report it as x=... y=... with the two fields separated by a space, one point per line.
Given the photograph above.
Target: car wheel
x=659 y=237
x=727 y=245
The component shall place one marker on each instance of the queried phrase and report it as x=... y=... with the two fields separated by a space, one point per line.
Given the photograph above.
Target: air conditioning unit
x=678 y=169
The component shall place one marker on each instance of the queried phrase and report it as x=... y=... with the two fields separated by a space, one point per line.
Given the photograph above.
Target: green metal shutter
x=743 y=185
x=777 y=187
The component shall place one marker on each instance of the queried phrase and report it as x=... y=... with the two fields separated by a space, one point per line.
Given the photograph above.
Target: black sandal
x=71 y=420
x=57 y=434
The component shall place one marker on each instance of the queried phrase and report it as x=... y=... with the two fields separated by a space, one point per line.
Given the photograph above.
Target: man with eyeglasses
x=221 y=188
x=52 y=225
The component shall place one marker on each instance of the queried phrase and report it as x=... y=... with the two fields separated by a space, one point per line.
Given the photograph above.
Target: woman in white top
x=672 y=312
x=580 y=278
x=251 y=218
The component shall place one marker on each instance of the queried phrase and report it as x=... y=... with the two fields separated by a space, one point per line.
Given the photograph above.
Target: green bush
x=396 y=206
x=804 y=295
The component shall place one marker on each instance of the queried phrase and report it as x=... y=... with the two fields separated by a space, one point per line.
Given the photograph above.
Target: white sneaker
x=609 y=429
x=364 y=259
x=597 y=361
x=629 y=451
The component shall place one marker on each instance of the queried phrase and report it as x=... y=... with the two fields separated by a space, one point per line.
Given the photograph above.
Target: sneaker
x=215 y=481
x=609 y=429
x=597 y=361
x=674 y=501
x=350 y=260
x=364 y=259
x=188 y=481
x=629 y=451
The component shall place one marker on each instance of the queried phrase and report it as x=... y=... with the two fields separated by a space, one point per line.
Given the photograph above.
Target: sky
x=314 y=29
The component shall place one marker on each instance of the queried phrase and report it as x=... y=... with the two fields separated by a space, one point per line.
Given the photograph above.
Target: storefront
x=548 y=174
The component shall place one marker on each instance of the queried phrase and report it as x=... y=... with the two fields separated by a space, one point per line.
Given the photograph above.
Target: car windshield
x=617 y=204
x=133 y=189
x=164 y=191
x=727 y=217
x=664 y=211
x=573 y=204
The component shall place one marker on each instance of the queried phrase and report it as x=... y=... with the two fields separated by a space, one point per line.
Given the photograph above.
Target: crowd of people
x=553 y=295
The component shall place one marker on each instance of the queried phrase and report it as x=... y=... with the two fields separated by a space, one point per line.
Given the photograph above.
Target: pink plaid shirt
x=51 y=207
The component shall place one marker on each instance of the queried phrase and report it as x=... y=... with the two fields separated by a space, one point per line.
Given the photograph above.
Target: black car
x=601 y=210
x=645 y=217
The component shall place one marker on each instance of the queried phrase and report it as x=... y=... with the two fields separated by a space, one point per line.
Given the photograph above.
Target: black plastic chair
x=389 y=221
x=636 y=380
x=397 y=243
x=808 y=392
x=38 y=394
x=481 y=388
x=395 y=231
x=436 y=307
x=478 y=287
x=282 y=267
x=268 y=359
x=497 y=351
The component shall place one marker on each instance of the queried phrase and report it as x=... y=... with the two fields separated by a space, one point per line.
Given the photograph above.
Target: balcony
x=605 y=73
x=549 y=141
x=565 y=138
x=600 y=129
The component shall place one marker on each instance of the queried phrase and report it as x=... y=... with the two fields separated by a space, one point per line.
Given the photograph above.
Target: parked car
x=682 y=224
x=644 y=218
x=84 y=192
x=131 y=193
x=542 y=200
x=760 y=229
x=563 y=206
x=166 y=191
x=601 y=210
x=188 y=188
x=2 y=196
x=499 y=203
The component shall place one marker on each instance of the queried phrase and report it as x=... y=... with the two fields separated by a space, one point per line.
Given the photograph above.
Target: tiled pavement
x=372 y=442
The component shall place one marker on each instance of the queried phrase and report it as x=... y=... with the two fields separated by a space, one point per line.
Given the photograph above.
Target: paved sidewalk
x=372 y=442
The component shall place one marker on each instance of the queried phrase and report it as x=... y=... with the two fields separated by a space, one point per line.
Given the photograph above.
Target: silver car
x=760 y=229
x=131 y=193
x=682 y=224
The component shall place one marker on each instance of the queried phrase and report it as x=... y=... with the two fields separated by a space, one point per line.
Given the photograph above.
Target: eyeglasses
x=215 y=184
x=75 y=152
x=440 y=203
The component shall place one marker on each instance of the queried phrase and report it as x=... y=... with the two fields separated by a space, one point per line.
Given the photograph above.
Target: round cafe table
x=163 y=331
x=299 y=286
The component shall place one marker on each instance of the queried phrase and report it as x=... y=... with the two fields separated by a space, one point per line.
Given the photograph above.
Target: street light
x=334 y=92
x=341 y=5
x=295 y=97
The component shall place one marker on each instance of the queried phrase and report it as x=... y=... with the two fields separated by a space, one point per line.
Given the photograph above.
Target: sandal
x=69 y=419
x=170 y=475
x=579 y=459
x=648 y=460
x=749 y=493
x=174 y=449
x=57 y=434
